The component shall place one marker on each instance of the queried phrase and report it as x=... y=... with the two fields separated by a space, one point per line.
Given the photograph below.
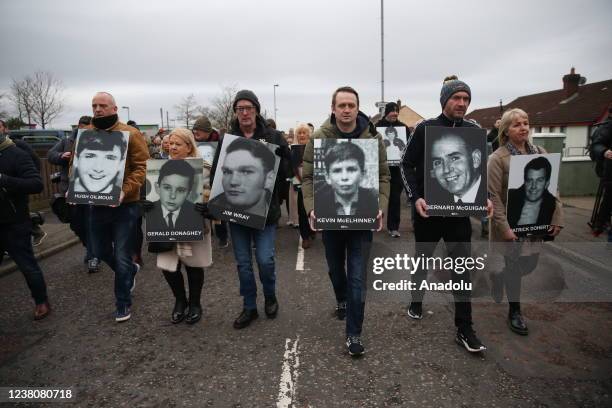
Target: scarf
x=531 y=149
x=105 y=122
x=5 y=142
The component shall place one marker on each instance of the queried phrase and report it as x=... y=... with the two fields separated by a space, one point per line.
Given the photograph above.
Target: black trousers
x=305 y=231
x=221 y=231
x=456 y=233
x=395 y=202
x=605 y=208
x=16 y=239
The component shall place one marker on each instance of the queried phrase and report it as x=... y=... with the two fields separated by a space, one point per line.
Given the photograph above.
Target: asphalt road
x=298 y=359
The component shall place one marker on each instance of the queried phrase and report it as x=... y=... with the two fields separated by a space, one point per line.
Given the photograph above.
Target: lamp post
x=128 y=109
x=275 y=86
x=382 y=51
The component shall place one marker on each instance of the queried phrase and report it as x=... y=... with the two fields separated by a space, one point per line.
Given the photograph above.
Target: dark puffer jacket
x=600 y=142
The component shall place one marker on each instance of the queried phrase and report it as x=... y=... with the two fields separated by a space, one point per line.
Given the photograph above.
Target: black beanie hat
x=391 y=107
x=247 y=95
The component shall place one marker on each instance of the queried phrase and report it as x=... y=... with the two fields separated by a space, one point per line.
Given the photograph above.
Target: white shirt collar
x=175 y=214
x=470 y=195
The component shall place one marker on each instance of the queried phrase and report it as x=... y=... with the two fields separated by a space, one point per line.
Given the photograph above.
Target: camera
x=37 y=218
x=56 y=177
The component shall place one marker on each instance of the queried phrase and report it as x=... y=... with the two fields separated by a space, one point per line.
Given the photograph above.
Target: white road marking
x=289 y=375
x=299 y=262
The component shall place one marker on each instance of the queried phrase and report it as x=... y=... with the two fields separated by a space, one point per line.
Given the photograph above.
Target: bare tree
x=3 y=112
x=187 y=109
x=21 y=98
x=47 y=97
x=221 y=111
x=38 y=97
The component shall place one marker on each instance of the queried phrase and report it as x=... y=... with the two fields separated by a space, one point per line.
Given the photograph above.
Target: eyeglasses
x=247 y=109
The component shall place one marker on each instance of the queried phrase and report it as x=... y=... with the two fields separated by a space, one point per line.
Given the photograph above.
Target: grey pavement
x=299 y=359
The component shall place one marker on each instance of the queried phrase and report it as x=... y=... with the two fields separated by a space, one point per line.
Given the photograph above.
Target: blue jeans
x=80 y=224
x=16 y=239
x=113 y=231
x=350 y=248
x=264 y=255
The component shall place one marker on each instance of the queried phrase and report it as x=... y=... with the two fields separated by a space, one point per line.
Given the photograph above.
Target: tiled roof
x=587 y=106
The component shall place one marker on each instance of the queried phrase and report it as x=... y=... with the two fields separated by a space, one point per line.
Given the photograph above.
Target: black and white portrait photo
x=244 y=181
x=532 y=184
x=394 y=139
x=207 y=150
x=456 y=171
x=346 y=183
x=174 y=186
x=98 y=167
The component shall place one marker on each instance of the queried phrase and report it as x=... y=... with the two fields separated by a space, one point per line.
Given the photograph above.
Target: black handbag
x=159 y=247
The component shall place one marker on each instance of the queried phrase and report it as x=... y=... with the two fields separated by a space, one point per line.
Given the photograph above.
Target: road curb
x=45 y=253
x=578 y=258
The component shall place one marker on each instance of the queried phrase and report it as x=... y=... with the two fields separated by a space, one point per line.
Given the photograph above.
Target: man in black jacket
x=19 y=178
x=250 y=124
x=456 y=232
x=601 y=152
x=395 y=203
x=60 y=155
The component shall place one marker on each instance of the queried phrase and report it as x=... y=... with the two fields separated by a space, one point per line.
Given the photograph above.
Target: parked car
x=41 y=140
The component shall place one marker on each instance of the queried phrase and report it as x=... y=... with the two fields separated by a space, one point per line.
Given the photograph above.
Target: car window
x=41 y=139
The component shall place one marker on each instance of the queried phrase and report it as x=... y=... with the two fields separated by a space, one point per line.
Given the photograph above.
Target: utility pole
x=167 y=120
x=161 y=113
x=382 y=51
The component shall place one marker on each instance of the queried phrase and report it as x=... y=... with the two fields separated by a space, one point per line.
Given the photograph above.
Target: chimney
x=571 y=82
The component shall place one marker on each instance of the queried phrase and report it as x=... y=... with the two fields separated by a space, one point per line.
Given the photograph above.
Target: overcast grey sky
x=150 y=54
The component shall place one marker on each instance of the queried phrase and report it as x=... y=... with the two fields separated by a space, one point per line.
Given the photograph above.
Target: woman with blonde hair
x=303 y=132
x=195 y=256
x=513 y=140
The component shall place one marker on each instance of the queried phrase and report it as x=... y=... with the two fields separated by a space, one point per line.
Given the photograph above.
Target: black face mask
x=105 y=122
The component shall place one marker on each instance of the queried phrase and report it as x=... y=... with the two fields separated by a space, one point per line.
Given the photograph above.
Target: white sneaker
x=394 y=234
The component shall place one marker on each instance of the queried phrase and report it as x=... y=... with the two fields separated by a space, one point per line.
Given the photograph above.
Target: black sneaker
x=223 y=243
x=245 y=318
x=467 y=338
x=38 y=237
x=341 y=310
x=123 y=314
x=271 y=306
x=354 y=346
x=93 y=265
x=415 y=310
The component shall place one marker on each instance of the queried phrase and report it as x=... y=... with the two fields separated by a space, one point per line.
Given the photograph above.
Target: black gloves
x=202 y=208
x=146 y=205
